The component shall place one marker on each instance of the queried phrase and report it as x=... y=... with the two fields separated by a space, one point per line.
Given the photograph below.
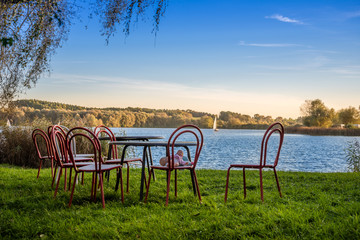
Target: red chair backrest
x=273 y=128
x=187 y=129
x=58 y=145
x=102 y=129
x=37 y=136
x=89 y=136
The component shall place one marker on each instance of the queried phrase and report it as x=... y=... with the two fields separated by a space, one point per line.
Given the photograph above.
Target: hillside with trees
x=315 y=116
x=27 y=111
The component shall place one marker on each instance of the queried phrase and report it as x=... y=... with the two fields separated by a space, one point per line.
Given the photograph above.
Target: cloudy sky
x=264 y=57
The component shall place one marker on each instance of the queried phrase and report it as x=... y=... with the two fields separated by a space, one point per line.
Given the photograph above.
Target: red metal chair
x=42 y=144
x=185 y=130
x=61 y=157
x=103 y=130
x=97 y=169
x=274 y=128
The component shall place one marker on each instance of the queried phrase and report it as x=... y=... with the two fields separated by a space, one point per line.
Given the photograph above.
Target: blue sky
x=264 y=57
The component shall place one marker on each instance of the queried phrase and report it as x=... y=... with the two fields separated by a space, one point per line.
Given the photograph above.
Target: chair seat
x=81 y=159
x=178 y=167
x=250 y=166
x=84 y=155
x=118 y=160
x=104 y=167
x=80 y=164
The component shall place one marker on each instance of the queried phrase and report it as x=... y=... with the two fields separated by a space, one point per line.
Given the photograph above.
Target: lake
x=227 y=146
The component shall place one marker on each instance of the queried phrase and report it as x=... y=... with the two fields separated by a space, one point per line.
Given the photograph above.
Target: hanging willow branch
x=121 y=13
x=31 y=31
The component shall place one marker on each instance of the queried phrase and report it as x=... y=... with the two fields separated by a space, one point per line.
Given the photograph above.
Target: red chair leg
x=72 y=191
x=168 y=187
x=244 y=181
x=127 y=177
x=175 y=183
x=197 y=186
x=39 y=168
x=52 y=167
x=277 y=182
x=92 y=187
x=58 y=182
x=121 y=185
x=82 y=178
x=261 y=185
x=65 y=177
x=54 y=177
x=147 y=188
x=70 y=179
x=227 y=184
x=95 y=186
x=102 y=189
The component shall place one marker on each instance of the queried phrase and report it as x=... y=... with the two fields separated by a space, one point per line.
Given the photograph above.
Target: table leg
x=143 y=174
x=107 y=173
x=122 y=164
x=188 y=152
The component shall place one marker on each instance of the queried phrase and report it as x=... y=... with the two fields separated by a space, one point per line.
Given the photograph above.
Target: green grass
x=314 y=206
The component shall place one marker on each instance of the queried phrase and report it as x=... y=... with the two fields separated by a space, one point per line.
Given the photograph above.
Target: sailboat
x=214 y=126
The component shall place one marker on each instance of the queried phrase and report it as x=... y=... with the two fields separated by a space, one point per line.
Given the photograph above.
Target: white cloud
x=284 y=19
x=242 y=43
x=353 y=14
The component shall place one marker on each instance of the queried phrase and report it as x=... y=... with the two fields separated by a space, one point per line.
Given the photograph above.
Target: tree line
x=23 y=112
x=315 y=114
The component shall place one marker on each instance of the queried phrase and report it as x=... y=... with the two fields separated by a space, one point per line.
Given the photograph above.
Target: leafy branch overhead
x=31 y=32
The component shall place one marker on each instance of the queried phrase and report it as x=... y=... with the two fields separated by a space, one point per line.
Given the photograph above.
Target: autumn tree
x=348 y=115
x=316 y=114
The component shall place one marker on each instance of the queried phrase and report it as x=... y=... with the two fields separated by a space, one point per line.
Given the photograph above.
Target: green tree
x=316 y=114
x=348 y=115
x=206 y=121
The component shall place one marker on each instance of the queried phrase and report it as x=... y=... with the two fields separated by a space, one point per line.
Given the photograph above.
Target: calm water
x=299 y=152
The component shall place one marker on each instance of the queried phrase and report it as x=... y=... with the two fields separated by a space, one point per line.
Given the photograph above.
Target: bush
x=353 y=156
x=17 y=148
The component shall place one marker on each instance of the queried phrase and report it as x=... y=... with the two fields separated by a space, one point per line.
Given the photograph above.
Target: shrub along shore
x=314 y=206
x=323 y=131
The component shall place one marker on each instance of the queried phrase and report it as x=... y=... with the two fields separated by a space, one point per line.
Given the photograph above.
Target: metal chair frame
x=97 y=169
x=114 y=159
x=61 y=157
x=274 y=128
x=170 y=149
x=40 y=134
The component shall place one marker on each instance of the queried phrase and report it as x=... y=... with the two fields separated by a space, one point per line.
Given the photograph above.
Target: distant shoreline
x=317 y=131
x=314 y=131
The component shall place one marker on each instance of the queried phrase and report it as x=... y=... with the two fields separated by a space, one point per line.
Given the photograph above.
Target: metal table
x=129 y=138
x=147 y=145
x=132 y=138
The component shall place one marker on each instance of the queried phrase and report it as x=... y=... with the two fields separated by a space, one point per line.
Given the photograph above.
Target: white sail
x=214 y=125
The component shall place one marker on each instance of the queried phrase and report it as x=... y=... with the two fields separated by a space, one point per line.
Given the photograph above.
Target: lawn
x=314 y=206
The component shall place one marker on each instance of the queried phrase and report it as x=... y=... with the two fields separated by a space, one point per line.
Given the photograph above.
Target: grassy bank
x=314 y=206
